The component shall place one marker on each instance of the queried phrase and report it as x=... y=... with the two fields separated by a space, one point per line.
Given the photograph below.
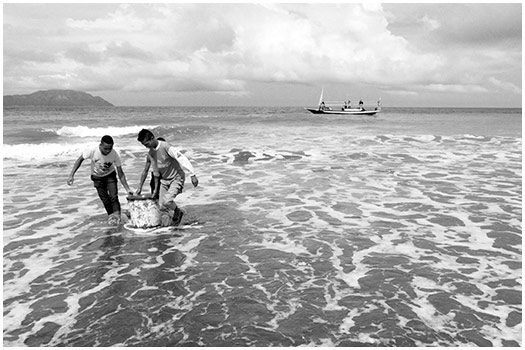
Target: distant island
x=56 y=98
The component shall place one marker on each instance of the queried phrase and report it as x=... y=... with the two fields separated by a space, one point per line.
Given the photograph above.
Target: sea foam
x=85 y=131
x=45 y=152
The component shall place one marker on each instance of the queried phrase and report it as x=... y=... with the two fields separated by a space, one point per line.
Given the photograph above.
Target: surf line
x=130 y=227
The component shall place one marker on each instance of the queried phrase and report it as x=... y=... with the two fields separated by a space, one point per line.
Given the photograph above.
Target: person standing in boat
x=169 y=163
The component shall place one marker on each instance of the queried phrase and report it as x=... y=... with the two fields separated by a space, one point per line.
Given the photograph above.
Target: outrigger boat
x=344 y=107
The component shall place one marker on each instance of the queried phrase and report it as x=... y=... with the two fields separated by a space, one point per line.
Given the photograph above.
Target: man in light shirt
x=105 y=163
x=170 y=165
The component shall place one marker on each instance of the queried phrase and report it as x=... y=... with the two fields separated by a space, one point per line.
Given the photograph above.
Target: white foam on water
x=502 y=311
x=182 y=303
x=320 y=343
x=36 y=266
x=279 y=313
x=316 y=209
x=153 y=231
x=496 y=334
x=187 y=246
x=351 y=279
x=14 y=315
x=425 y=283
x=86 y=131
x=348 y=322
x=286 y=245
x=252 y=270
x=38 y=263
x=49 y=153
x=74 y=306
x=428 y=314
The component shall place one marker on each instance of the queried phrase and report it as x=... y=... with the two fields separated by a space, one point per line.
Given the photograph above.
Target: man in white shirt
x=168 y=164
x=105 y=161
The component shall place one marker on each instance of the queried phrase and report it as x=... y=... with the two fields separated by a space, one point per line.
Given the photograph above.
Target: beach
x=401 y=229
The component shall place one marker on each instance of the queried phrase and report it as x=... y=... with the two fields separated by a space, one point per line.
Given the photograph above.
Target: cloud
x=305 y=43
x=454 y=88
x=430 y=23
x=13 y=57
x=226 y=48
x=505 y=86
x=124 y=19
x=83 y=54
x=123 y=49
x=497 y=24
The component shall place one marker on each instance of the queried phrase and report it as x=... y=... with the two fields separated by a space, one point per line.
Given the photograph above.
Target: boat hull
x=318 y=111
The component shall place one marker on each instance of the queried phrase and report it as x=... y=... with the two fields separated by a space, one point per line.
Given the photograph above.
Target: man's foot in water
x=177 y=217
x=165 y=219
x=114 y=220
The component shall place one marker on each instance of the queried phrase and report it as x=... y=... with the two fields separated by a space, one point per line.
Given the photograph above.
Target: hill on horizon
x=56 y=97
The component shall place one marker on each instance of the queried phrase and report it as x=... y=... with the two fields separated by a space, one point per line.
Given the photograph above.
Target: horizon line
x=249 y=106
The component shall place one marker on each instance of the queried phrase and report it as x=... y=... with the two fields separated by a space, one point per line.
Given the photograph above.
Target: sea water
x=402 y=229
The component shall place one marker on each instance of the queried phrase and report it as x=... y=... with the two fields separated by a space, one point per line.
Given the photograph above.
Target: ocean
x=400 y=229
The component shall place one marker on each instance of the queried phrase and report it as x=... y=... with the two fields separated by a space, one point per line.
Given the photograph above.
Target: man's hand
x=194 y=180
x=70 y=180
x=129 y=191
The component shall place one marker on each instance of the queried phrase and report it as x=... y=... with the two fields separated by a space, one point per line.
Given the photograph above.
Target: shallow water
x=397 y=230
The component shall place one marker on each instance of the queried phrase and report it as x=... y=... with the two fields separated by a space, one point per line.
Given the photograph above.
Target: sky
x=268 y=54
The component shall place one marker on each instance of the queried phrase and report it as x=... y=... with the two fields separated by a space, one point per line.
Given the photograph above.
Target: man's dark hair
x=107 y=139
x=145 y=134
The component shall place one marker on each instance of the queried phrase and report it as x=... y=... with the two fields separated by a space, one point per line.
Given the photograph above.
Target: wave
x=85 y=131
x=82 y=131
x=68 y=148
x=29 y=152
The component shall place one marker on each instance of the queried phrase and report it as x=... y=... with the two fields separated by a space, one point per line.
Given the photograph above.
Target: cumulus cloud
x=225 y=47
x=224 y=43
x=312 y=43
x=124 y=19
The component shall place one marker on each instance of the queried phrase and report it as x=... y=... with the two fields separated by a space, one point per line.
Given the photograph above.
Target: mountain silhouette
x=55 y=98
